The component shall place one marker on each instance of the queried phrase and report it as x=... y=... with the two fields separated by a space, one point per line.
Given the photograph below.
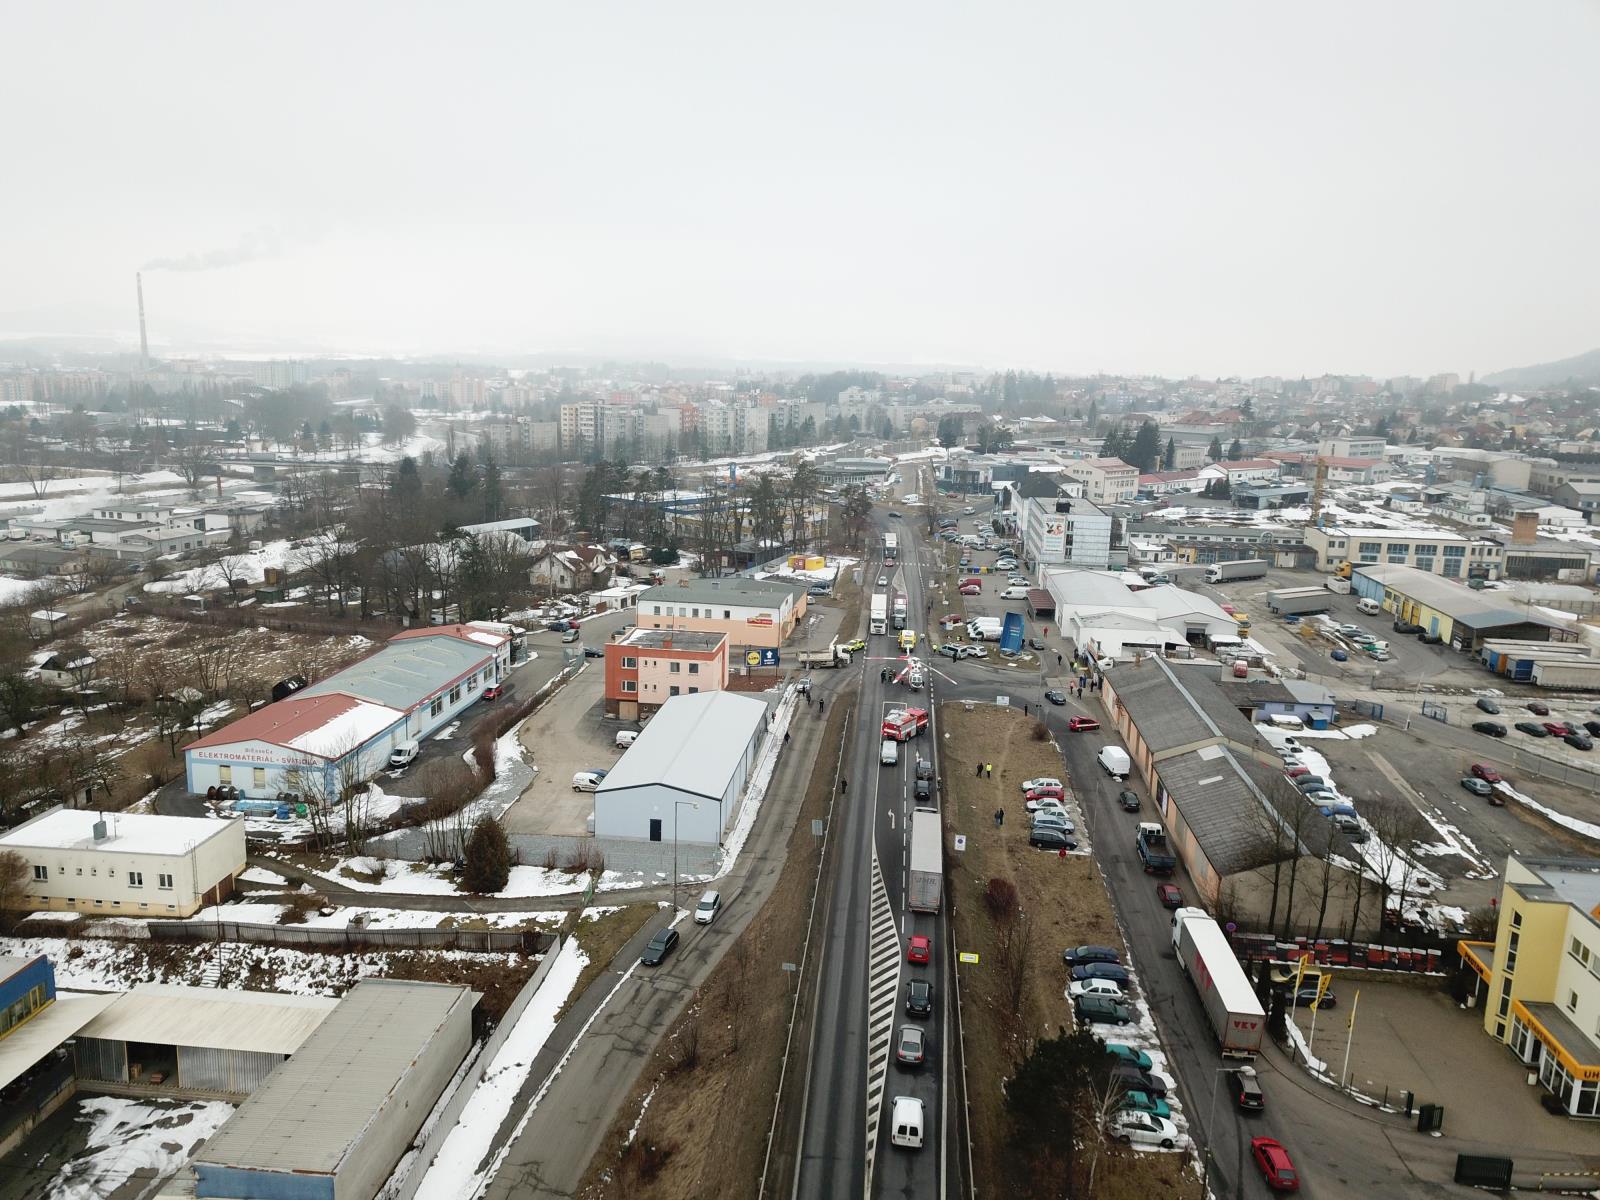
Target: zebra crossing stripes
x=883 y=988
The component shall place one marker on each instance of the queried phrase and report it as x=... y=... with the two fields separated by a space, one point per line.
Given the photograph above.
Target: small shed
x=43 y=623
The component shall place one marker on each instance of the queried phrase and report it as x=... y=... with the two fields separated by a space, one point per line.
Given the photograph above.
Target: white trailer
x=878 y=622
x=1236 y=1015
x=925 y=879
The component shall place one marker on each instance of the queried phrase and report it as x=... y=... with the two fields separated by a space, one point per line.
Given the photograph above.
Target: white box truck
x=925 y=879
x=1235 y=1013
x=1114 y=761
x=879 y=620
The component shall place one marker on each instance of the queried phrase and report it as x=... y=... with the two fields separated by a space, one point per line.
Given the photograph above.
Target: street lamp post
x=694 y=804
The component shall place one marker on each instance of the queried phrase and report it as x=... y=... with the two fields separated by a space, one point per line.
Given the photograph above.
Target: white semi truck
x=1235 y=1013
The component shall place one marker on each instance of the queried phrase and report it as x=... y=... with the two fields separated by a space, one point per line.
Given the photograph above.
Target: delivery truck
x=878 y=622
x=926 y=878
x=834 y=655
x=1151 y=842
x=1235 y=1013
x=1300 y=601
x=900 y=611
x=1243 y=568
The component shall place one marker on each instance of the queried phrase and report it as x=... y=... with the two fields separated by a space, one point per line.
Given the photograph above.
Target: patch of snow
x=261 y=875
x=126 y=1137
x=1560 y=818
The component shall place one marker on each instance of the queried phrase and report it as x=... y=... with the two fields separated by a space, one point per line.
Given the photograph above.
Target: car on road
x=1033 y=643
x=1095 y=987
x=1306 y=997
x=1430 y=639
x=710 y=905
x=1146 y=1103
x=587 y=781
x=919 y=949
x=1592 y=728
x=571 y=635
x=952 y=650
x=1310 y=783
x=970 y=651
x=1338 y=655
x=969 y=589
x=1129 y=1055
x=1054 y=818
x=1076 y=956
x=493 y=692
x=1104 y=1010
x=909 y=1047
x=1406 y=627
x=1055 y=696
x=1170 y=895
x=1113 y=971
x=626 y=738
x=1043 y=802
x=1489 y=706
x=1135 y=1127
x=1048 y=837
x=1275 y=1165
x=883 y=581
x=1484 y=772
x=1083 y=724
x=1532 y=729
x=1042 y=781
x=594 y=652
x=1129 y=799
x=1134 y=1079
x=1538 y=709
x=1245 y=1088
x=922 y=790
x=924 y=768
x=1378 y=654
x=905 y=1122
x=1296 y=770
x=1477 y=787
x=560 y=626
x=855 y=646
x=895 y=515
x=1558 y=729
x=1578 y=741
x=663 y=944
x=919 y=998
x=1492 y=728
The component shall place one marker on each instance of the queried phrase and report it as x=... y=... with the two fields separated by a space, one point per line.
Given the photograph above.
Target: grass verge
x=601 y=938
x=695 y=1125
x=1013 y=997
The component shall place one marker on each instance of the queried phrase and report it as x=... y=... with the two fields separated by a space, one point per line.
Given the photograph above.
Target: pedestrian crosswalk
x=883 y=988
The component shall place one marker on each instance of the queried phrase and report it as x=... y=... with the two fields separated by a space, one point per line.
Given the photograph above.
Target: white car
x=1109 y=988
x=974 y=652
x=1029 y=785
x=1142 y=1129
x=1041 y=805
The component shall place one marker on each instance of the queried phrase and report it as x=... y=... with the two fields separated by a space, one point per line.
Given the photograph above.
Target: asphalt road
x=833 y=1135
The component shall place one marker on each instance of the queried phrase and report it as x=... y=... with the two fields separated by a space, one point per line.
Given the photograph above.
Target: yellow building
x=1539 y=980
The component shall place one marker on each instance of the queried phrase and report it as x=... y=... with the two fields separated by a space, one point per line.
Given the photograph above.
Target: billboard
x=1011 y=634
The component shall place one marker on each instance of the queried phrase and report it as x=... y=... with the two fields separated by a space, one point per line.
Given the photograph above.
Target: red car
x=920 y=950
x=1275 y=1165
x=1081 y=723
x=972 y=591
x=1169 y=895
x=1557 y=728
x=1296 y=771
x=1486 y=773
x=1045 y=793
x=1539 y=710
x=493 y=692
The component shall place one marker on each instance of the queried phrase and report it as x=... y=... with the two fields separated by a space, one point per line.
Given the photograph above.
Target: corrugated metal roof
x=41 y=1033
x=404 y=672
x=310 y=1110
x=693 y=744
x=173 y=1015
x=1231 y=803
x=1178 y=707
x=733 y=589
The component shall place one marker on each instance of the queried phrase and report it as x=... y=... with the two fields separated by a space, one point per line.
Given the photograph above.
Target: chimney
x=1525 y=528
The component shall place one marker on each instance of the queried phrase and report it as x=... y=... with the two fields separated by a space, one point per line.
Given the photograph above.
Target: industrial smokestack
x=144 y=342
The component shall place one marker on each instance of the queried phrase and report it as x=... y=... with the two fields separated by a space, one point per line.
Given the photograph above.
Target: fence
x=1417 y=953
x=312 y=937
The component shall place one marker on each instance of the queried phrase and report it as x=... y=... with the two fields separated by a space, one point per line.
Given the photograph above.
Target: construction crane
x=1319 y=484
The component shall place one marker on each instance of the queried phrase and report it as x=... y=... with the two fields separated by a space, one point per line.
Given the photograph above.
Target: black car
x=1532 y=729
x=1129 y=800
x=1245 y=1089
x=1077 y=956
x=919 y=998
x=1131 y=1079
x=663 y=944
x=1048 y=837
x=1115 y=972
x=1035 y=643
x=1492 y=728
x=593 y=652
x=1056 y=696
x=1538 y=709
x=560 y=626
x=924 y=769
x=1489 y=706
x=922 y=789
x=1578 y=741
x=1406 y=627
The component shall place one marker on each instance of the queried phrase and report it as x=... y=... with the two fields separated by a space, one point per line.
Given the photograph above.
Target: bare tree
x=13 y=886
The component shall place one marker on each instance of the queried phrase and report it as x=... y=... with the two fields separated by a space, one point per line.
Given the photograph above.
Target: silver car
x=910 y=1048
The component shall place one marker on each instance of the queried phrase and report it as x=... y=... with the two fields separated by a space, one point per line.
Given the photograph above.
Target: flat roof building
x=648 y=667
x=753 y=613
x=1462 y=617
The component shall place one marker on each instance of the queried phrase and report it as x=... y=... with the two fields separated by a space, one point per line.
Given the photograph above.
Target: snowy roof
x=694 y=744
x=411 y=667
x=173 y=1015
x=322 y=724
x=46 y=614
x=126 y=833
x=24 y=1045
x=344 y=731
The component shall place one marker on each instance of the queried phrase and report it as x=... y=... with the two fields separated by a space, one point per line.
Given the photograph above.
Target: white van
x=905 y=1122
x=1114 y=761
x=1369 y=606
x=586 y=781
x=626 y=738
x=1014 y=593
x=890 y=754
x=404 y=754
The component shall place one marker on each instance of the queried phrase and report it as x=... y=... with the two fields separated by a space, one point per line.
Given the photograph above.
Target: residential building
x=1160 y=483
x=648 y=667
x=126 y=864
x=338 y=732
x=683 y=778
x=1105 y=480
x=570 y=567
x=1061 y=530
x=514 y=439
x=1245 y=470
x=753 y=613
x=1356 y=470
x=1352 y=445
x=1453 y=555
x=1538 y=982
x=71 y=667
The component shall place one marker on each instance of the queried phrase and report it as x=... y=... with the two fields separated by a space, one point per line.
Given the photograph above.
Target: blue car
x=1340 y=656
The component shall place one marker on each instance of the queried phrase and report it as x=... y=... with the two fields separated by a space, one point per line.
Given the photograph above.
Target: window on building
x=675 y=668
x=472 y=684
x=224 y=774
x=629 y=664
x=694 y=691
x=673 y=690
x=1572 y=1002
x=629 y=685
x=694 y=668
x=258 y=777
x=455 y=694
x=436 y=707
x=727 y=615
x=41 y=874
x=164 y=880
x=135 y=878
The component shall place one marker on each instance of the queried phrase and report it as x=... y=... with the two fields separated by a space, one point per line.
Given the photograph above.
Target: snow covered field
x=123 y=1136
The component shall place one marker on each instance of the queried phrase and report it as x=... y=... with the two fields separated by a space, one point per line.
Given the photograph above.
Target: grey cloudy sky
x=1214 y=188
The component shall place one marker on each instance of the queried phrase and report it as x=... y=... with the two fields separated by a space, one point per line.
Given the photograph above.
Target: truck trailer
x=925 y=881
x=1290 y=602
x=1235 y=1013
x=834 y=655
x=878 y=622
x=1338 y=585
x=1243 y=568
x=900 y=610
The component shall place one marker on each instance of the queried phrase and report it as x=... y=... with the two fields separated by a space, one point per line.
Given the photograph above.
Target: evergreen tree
x=1223 y=490
x=493 y=500
x=486 y=865
x=1146 y=448
x=1170 y=459
x=1247 y=410
x=462 y=477
x=1214 y=451
x=1235 y=450
x=407 y=483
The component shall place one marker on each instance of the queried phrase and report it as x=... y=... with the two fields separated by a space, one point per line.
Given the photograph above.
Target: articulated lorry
x=834 y=655
x=1300 y=601
x=1236 y=1016
x=1154 y=853
x=925 y=879
x=1243 y=568
x=878 y=622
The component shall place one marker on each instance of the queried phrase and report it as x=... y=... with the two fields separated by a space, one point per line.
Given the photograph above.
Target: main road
x=844 y=1146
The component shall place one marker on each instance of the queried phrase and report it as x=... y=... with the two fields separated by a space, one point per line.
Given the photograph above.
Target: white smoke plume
x=251 y=247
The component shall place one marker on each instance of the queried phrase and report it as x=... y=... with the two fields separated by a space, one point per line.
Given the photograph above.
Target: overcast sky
x=1169 y=188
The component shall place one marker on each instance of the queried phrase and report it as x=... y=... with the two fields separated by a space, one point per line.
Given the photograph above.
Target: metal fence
x=312 y=937
x=1414 y=952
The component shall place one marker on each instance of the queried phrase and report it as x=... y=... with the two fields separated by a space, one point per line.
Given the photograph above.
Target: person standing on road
x=821 y=706
x=844 y=786
x=1058 y=659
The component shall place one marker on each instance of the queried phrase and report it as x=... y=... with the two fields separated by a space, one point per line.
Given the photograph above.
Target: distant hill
x=1582 y=368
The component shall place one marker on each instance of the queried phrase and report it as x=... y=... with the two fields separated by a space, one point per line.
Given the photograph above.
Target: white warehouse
x=686 y=771
x=130 y=864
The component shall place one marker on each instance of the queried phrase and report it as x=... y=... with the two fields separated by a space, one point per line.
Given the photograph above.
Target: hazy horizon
x=1237 y=190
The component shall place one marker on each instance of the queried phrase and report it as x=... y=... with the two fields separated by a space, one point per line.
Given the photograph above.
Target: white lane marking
x=883 y=989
